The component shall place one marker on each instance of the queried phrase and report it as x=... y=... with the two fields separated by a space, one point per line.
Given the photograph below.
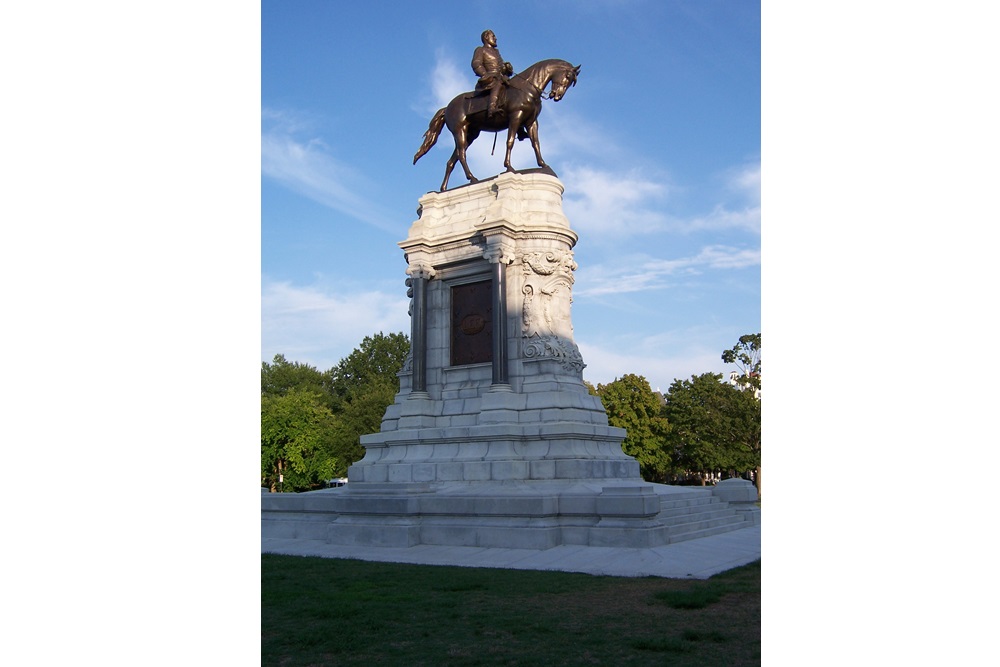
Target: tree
x=281 y=376
x=631 y=404
x=365 y=384
x=745 y=424
x=296 y=441
x=746 y=355
x=360 y=416
x=378 y=358
x=714 y=425
x=312 y=422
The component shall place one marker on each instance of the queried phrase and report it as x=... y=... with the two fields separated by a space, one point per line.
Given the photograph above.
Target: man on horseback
x=491 y=69
x=465 y=118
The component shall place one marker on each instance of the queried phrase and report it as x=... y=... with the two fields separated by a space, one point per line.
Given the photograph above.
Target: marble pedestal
x=493 y=439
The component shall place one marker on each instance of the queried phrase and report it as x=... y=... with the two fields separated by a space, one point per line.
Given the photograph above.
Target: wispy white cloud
x=320 y=325
x=742 y=211
x=662 y=357
x=659 y=365
x=710 y=257
x=564 y=132
x=306 y=166
x=625 y=203
x=447 y=80
x=721 y=217
x=605 y=202
x=638 y=274
x=747 y=181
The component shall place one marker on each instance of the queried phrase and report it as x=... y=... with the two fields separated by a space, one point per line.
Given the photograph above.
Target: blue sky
x=658 y=147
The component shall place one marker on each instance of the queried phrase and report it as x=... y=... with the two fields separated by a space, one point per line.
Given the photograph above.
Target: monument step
x=708 y=532
x=701 y=522
x=683 y=504
x=697 y=513
x=677 y=517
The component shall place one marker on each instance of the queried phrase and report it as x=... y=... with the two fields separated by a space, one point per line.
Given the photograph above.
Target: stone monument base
x=516 y=515
x=493 y=439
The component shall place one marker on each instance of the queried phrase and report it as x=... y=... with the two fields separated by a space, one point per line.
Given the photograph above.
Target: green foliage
x=714 y=425
x=296 y=440
x=312 y=422
x=365 y=384
x=746 y=355
x=361 y=416
x=377 y=360
x=281 y=376
x=744 y=434
x=631 y=404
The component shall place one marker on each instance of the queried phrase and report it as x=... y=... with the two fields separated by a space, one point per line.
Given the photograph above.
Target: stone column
x=499 y=256
x=419 y=275
x=500 y=323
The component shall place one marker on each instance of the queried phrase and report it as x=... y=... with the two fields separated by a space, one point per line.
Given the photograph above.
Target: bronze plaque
x=472 y=323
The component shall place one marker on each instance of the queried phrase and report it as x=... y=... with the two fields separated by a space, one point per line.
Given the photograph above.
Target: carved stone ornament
x=549 y=263
x=546 y=292
x=557 y=348
x=547 y=289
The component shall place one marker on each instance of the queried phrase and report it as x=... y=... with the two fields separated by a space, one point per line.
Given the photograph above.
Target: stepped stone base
x=493 y=439
x=518 y=515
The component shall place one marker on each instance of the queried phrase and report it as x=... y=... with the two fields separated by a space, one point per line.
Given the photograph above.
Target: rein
x=524 y=84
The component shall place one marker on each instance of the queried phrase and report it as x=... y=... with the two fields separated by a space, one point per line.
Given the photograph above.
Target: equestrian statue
x=501 y=101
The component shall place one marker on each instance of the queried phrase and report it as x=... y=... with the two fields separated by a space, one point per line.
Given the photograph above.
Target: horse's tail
x=431 y=135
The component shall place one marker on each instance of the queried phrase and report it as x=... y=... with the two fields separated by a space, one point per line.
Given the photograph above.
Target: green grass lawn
x=318 y=611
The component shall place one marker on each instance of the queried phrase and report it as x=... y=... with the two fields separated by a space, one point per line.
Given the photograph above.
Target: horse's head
x=562 y=81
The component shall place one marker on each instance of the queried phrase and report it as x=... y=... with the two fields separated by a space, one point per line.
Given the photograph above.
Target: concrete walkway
x=693 y=559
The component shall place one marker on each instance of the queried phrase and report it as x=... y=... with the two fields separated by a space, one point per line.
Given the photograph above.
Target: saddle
x=479 y=100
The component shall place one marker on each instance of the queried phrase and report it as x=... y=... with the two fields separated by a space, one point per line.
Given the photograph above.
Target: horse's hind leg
x=463 y=139
x=447 y=170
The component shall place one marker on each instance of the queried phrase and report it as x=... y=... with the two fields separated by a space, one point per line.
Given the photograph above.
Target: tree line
x=311 y=421
x=702 y=429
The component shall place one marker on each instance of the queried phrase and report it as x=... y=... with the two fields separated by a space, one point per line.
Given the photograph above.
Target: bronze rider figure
x=491 y=68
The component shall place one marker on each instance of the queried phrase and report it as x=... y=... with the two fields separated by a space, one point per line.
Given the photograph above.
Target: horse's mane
x=542 y=64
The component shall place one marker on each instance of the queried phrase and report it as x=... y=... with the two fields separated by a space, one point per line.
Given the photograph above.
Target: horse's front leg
x=533 y=135
x=511 y=135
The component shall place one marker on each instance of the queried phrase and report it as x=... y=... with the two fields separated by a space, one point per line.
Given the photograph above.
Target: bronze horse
x=466 y=115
